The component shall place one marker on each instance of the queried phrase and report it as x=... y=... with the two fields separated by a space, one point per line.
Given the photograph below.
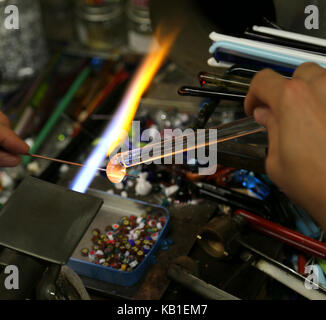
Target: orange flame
x=138 y=85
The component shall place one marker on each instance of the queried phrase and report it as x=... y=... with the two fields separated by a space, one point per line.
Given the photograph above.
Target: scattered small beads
x=125 y=244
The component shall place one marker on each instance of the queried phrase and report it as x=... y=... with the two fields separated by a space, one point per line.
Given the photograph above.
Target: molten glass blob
x=115 y=170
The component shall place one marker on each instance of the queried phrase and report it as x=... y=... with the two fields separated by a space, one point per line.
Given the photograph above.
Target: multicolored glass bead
x=125 y=244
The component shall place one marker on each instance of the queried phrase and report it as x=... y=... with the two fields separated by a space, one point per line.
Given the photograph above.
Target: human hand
x=294 y=113
x=11 y=146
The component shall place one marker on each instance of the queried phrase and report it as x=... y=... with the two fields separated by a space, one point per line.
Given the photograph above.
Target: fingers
x=308 y=71
x=10 y=142
x=4 y=120
x=261 y=115
x=265 y=117
x=265 y=90
x=262 y=98
x=8 y=159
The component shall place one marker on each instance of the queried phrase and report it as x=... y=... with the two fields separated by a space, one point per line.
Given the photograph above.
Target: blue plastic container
x=114 y=207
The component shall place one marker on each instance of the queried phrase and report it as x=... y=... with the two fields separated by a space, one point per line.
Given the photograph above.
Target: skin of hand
x=11 y=146
x=294 y=113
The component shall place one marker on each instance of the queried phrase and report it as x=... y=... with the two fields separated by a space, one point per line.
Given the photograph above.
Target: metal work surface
x=41 y=215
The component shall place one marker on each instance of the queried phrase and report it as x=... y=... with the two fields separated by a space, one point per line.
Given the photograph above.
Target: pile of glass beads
x=124 y=245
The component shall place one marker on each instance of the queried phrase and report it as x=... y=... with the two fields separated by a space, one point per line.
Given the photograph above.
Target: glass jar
x=22 y=51
x=140 y=34
x=101 y=26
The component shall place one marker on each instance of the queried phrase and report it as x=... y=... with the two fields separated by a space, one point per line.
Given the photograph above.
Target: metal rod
x=210 y=93
x=246 y=71
x=58 y=160
x=288 y=280
x=67 y=162
x=210 y=78
x=290 y=274
x=197 y=285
